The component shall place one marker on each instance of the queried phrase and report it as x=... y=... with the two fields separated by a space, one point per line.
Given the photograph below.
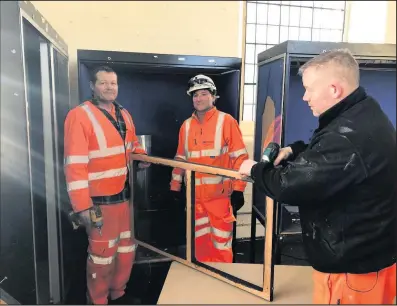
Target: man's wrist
x=296 y=148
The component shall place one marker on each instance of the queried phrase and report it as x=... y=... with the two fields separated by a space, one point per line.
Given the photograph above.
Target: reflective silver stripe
x=76 y=159
x=194 y=154
x=177 y=177
x=76 y=185
x=219 y=132
x=103 y=151
x=206 y=153
x=202 y=231
x=222 y=245
x=107 y=174
x=113 y=242
x=97 y=128
x=101 y=260
x=237 y=153
x=126 y=249
x=180 y=157
x=221 y=233
x=210 y=180
x=106 y=152
x=202 y=221
x=128 y=145
x=217 y=150
x=187 y=128
x=128 y=117
x=126 y=234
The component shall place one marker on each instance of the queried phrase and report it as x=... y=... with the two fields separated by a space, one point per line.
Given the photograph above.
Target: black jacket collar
x=355 y=97
x=95 y=102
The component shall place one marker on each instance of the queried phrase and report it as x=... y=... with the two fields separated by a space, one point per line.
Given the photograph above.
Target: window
x=272 y=22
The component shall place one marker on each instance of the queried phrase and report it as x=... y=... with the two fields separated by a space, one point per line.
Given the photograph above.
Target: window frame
x=253 y=47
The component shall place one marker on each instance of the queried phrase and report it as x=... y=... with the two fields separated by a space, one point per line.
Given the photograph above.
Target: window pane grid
x=269 y=23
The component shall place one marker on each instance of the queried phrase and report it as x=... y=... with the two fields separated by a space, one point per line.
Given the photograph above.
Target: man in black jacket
x=344 y=182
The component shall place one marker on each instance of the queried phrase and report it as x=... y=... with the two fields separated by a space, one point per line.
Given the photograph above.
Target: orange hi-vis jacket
x=217 y=141
x=95 y=155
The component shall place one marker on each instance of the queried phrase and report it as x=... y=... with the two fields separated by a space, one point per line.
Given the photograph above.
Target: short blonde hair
x=342 y=59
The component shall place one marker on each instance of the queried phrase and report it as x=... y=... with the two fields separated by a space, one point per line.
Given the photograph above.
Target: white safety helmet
x=201 y=82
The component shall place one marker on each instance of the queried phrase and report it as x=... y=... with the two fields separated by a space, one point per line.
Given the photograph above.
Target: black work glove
x=237 y=200
x=178 y=197
x=175 y=195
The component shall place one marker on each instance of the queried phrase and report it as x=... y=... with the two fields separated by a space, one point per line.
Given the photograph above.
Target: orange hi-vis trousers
x=345 y=288
x=110 y=256
x=214 y=231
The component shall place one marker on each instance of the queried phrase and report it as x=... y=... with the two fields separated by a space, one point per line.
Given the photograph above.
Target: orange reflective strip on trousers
x=345 y=288
x=214 y=231
x=110 y=256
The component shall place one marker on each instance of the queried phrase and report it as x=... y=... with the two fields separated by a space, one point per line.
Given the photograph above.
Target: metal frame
x=58 y=161
x=57 y=217
x=29 y=143
x=266 y=292
x=310 y=48
x=159 y=59
x=50 y=177
x=31 y=14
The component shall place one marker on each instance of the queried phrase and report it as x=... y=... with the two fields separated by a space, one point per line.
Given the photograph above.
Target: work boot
x=126 y=300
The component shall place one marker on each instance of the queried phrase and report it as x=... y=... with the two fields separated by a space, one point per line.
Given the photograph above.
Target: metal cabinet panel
x=34 y=81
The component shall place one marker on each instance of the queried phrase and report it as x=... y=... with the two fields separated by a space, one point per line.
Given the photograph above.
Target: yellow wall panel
x=210 y=28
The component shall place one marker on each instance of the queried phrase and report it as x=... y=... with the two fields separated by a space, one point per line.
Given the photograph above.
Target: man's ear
x=91 y=86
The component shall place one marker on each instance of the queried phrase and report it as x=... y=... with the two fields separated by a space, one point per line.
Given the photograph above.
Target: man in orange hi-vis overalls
x=213 y=138
x=99 y=135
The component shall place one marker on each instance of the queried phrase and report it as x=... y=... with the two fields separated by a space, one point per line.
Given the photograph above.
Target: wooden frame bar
x=266 y=292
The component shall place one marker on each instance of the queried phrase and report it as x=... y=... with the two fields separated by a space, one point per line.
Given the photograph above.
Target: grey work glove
x=143 y=165
x=85 y=220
